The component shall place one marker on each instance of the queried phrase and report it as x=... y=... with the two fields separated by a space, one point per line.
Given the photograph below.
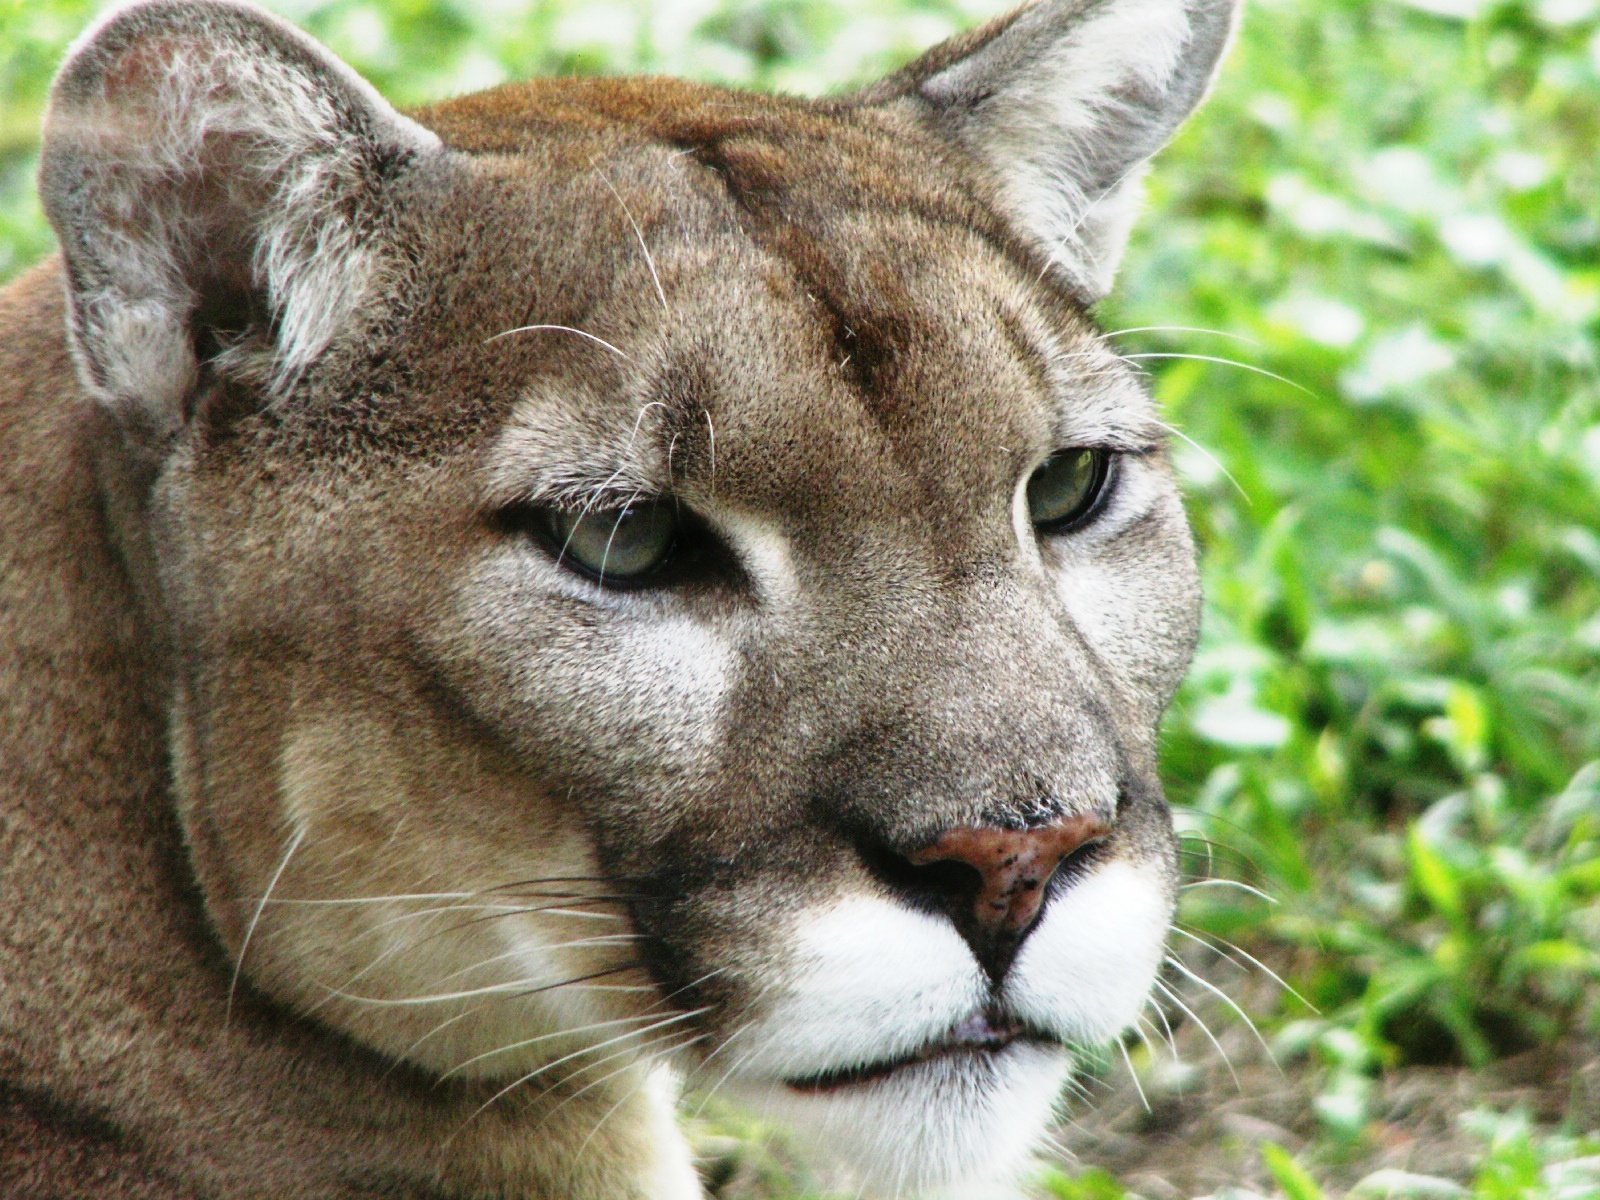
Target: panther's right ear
x=214 y=178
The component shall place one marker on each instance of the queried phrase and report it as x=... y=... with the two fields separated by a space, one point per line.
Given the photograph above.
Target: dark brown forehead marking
x=791 y=168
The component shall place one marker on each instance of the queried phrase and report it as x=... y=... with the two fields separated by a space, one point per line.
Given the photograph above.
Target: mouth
x=977 y=1037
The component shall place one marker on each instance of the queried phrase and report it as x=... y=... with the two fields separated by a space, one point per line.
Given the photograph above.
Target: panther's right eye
x=626 y=546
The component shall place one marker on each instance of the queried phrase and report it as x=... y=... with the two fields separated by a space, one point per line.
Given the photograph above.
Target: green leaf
x=1435 y=878
x=1294 y=1179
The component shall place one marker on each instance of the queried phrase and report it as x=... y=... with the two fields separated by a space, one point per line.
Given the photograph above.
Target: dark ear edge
x=205 y=162
x=1063 y=102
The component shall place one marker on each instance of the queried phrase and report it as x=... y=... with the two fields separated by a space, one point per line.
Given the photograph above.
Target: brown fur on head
x=387 y=810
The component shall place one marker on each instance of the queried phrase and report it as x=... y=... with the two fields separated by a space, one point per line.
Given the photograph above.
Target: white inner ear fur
x=180 y=131
x=1069 y=102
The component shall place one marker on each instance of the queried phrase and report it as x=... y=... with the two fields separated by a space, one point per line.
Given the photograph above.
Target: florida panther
x=511 y=608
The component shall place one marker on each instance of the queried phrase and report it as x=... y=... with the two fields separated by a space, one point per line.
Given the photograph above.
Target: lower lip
x=975 y=1040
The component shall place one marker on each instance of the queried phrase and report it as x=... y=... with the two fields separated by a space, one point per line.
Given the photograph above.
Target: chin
x=947 y=1121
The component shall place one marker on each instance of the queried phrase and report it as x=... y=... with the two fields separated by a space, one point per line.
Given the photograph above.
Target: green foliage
x=1400 y=680
x=1520 y=1165
x=1092 y=1184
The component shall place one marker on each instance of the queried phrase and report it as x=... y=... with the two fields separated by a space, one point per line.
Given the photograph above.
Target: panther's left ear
x=1064 y=101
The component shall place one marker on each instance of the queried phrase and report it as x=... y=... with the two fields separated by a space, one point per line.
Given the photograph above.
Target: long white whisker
x=519 y=952
x=1166 y=1025
x=1134 y=1075
x=1204 y=1028
x=712 y=431
x=1212 y=458
x=1238 y=337
x=1177 y=964
x=283 y=863
x=1233 y=883
x=378 y=899
x=638 y=233
x=1226 y=362
x=519 y=987
x=516 y=1083
x=599 y=341
x=1146 y=1028
x=545 y=1037
x=607 y=1115
x=439 y=1028
x=651 y=1052
x=1212 y=940
x=405 y=897
x=739 y=1061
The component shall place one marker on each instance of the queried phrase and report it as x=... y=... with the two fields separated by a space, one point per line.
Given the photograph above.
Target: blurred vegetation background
x=1367 y=291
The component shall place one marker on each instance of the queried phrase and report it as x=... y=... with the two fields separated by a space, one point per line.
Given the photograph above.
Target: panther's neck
x=101 y=928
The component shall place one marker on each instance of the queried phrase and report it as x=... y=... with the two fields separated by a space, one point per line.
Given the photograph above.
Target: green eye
x=616 y=545
x=1066 y=488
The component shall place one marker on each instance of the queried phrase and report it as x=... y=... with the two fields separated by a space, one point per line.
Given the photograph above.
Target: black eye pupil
x=1066 y=488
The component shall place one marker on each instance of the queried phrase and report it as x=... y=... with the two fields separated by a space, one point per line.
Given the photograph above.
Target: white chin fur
x=957 y=1126
x=872 y=981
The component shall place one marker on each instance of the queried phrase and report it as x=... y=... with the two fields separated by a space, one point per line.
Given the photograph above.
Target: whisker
x=1238 y=337
x=544 y=879
x=739 y=1061
x=645 y=1016
x=650 y=1052
x=599 y=341
x=1134 y=1076
x=1212 y=939
x=411 y=944
x=1240 y=855
x=546 y=1037
x=1233 y=883
x=1212 y=458
x=1166 y=1025
x=1204 y=1028
x=520 y=952
x=638 y=233
x=352 y=900
x=1226 y=362
x=694 y=983
x=516 y=1083
x=439 y=1028
x=398 y=897
x=605 y=555
x=515 y=989
x=244 y=946
x=1138 y=1029
x=1177 y=964
x=712 y=431
x=533 y=910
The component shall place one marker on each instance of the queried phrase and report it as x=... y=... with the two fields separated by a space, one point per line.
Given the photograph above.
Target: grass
x=1387 y=221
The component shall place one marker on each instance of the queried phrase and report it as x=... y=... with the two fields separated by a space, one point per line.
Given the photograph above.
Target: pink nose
x=1014 y=864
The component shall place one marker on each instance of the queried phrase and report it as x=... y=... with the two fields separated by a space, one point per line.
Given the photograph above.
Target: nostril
x=931 y=884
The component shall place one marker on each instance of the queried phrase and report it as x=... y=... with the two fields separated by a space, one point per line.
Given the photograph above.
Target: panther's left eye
x=1067 y=488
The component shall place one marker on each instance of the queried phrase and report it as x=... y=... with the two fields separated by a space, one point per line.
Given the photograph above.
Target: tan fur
x=352 y=845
